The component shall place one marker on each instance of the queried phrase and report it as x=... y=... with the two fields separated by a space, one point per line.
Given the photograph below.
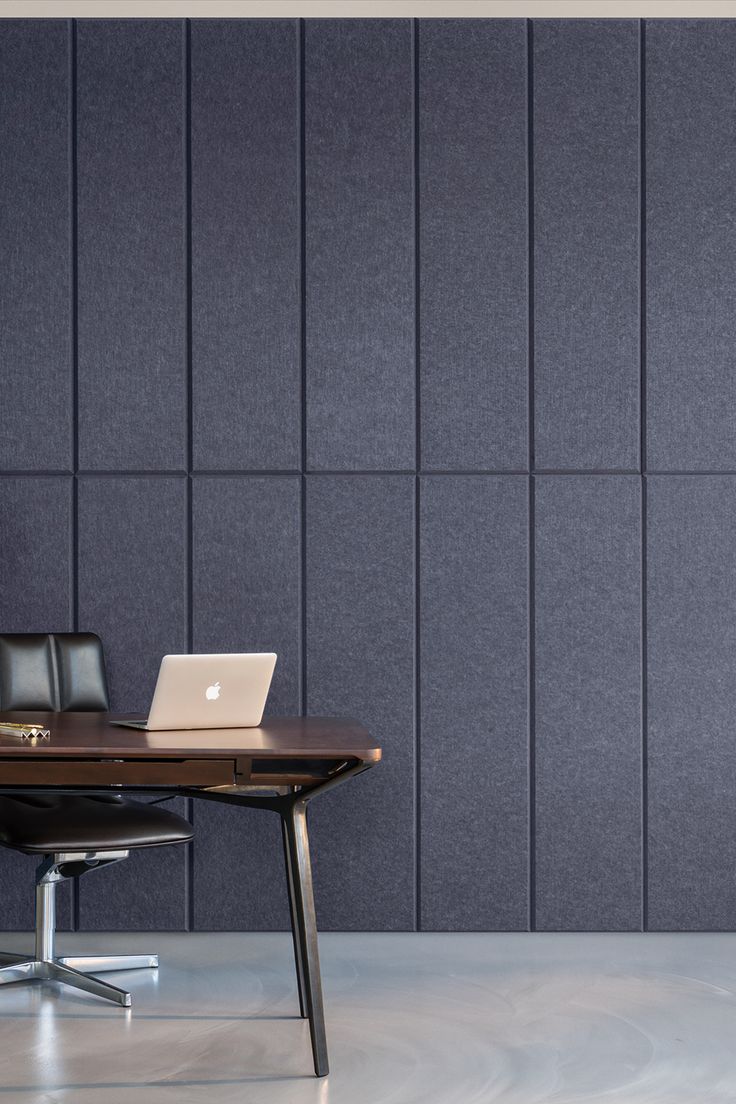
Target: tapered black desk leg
x=292 y=808
x=295 y=819
x=294 y=921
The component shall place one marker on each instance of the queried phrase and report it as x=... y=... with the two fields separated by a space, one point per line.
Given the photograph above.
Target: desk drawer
x=110 y=772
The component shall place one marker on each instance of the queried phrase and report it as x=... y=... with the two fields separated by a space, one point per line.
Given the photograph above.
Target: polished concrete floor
x=412 y=1019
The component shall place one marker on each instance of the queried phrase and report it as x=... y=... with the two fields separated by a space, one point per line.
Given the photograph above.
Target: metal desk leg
x=295 y=821
x=292 y=808
x=294 y=923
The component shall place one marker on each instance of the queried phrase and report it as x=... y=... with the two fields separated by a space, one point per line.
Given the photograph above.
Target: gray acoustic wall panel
x=360 y=662
x=247 y=555
x=132 y=591
x=131 y=239
x=586 y=243
x=251 y=265
x=35 y=596
x=132 y=577
x=35 y=225
x=473 y=242
x=247 y=597
x=692 y=701
x=691 y=245
x=237 y=878
x=35 y=553
x=474 y=740
x=588 y=734
x=245 y=240
x=359 y=262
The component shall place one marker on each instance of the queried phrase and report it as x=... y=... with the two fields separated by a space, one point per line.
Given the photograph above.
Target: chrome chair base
x=73 y=970
x=65 y=970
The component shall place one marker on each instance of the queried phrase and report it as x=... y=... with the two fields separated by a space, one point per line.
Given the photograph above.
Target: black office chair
x=75 y=833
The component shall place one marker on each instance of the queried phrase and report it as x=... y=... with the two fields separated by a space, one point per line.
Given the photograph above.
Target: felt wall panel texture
x=246 y=374
x=35 y=324
x=35 y=596
x=132 y=592
x=360 y=661
x=692 y=696
x=36 y=553
x=473 y=573
x=473 y=243
x=132 y=577
x=586 y=243
x=130 y=244
x=588 y=702
x=359 y=260
x=387 y=344
x=247 y=555
x=691 y=250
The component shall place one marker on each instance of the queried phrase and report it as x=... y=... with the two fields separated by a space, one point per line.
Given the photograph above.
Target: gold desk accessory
x=24 y=731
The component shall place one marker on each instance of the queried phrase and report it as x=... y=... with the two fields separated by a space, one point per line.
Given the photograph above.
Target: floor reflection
x=412 y=1019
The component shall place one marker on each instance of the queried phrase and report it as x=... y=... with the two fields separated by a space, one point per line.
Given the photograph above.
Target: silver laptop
x=209 y=691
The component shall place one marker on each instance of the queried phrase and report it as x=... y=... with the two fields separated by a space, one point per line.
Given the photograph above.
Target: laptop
x=209 y=691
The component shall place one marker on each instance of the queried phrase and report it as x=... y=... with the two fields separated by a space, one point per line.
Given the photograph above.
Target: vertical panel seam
x=74 y=305
x=302 y=249
x=187 y=128
x=187 y=111
x=643 y=462
x=530 y=237
x=532 y=910
x=418 y=464
x=644 y=718
x=642 y=249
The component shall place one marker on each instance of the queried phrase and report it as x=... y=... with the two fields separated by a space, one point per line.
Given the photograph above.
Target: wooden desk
x=280 y=766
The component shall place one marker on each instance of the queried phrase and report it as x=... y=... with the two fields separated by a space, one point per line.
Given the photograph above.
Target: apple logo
x=213 y=692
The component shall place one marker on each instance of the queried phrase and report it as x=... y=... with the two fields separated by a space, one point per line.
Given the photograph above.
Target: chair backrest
x=52 y=671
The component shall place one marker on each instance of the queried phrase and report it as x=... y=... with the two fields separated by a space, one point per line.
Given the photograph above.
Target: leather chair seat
x=45 y=823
